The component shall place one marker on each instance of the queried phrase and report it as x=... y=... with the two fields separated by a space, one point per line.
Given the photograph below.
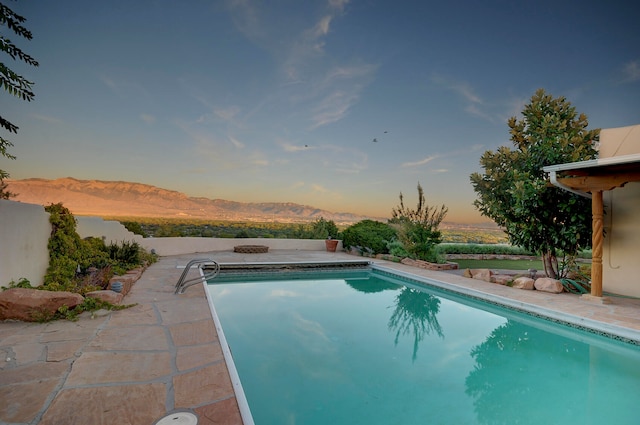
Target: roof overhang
x=585 y=177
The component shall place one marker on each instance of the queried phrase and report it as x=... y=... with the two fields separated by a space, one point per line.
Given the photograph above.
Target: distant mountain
x=121 y=199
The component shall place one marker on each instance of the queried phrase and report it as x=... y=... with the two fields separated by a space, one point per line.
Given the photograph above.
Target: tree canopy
x=13 y=83
x=514 y=190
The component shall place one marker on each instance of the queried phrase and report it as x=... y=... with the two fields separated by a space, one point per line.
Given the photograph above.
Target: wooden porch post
x=597 y=211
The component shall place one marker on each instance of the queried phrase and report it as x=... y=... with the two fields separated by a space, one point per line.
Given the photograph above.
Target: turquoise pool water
x=362 y=347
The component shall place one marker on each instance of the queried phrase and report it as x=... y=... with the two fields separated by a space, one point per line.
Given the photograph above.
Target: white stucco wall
x=621 y=249
x=110 y=231
x=24 y=235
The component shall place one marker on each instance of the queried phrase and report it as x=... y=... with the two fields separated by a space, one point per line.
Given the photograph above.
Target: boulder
x=482 y=274
x=547 y=284
x=108 y=296
x=502 y=279
x=523 y=283
x=33 y=305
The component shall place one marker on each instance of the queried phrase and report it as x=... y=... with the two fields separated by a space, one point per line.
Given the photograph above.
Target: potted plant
x=331 y=244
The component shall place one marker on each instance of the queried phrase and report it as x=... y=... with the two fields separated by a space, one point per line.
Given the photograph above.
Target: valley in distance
x=142 y=203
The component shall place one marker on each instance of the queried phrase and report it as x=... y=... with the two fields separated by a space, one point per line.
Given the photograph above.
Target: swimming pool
x=371 y=347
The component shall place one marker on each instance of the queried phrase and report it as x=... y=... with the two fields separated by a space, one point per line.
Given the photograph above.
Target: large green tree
x=13 y=83
x=514 y=190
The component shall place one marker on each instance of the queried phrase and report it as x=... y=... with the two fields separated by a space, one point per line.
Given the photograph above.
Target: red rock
x=32 y=305
x=108 y=296
x=523 y=283
x=501 y=279
x=547 y=284
x=482 y=274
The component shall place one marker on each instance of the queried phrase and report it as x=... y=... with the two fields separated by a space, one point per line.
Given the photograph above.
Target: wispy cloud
x=246 y=18
x=238 y=144
x=226 y=114
x=319 y=188
x=149 y=119
x=289 y=147
x=631 y=72
x=46 y=118
x=474 y=104
x=421 y=162
x=333 y=108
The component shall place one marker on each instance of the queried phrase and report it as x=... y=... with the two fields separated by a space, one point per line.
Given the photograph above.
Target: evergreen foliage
x=372 y=237
x=514 y=191
x=418 y=229
x=13 y=83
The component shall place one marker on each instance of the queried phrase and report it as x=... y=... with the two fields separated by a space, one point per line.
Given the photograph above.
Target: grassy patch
x=500 y=264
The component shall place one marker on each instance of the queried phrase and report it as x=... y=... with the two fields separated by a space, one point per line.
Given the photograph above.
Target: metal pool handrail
x=183 y=284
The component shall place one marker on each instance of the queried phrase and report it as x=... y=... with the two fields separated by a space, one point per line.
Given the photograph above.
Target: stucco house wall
x=621 y=249
x=24 y=235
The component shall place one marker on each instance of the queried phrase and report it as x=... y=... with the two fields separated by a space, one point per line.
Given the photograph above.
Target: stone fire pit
x=251 y=249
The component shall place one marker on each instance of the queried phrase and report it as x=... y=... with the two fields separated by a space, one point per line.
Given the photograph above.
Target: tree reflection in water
x=519 y=367
x=416 y=313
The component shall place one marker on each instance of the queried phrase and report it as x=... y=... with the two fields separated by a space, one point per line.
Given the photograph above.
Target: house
x=613 y=183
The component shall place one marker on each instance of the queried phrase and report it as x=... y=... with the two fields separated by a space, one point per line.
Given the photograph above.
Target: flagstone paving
x=133 y=366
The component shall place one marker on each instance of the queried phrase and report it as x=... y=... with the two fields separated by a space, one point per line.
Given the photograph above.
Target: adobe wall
x=620 y=262
x=110 y=231
x=24 y=235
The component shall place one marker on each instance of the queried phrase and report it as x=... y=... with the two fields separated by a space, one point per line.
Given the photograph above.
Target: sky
x=337 y=104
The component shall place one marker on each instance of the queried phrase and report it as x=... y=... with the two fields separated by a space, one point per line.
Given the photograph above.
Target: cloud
x=238 y=144
x=343 y=85
x=461 y=88
x=319 y=188
x=421 y=162
x=246 y=18
x=631 y=72
x=332 y=108
x=466 y=92
x=226 y=114
x=149 y=119
x=296 y=185
x=288 y=147
x=50 y=120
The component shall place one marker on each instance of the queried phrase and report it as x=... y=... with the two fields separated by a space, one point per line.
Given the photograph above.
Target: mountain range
x=128 y=199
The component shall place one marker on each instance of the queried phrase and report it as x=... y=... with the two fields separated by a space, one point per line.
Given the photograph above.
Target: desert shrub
x=71 y=257
x=319 y=229
x=369 y=235
x=397 y=249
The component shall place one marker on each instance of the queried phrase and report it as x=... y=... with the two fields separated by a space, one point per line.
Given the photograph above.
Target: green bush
x=470 y=248
x=369 y=236
x=397 y=249
x=70 y=256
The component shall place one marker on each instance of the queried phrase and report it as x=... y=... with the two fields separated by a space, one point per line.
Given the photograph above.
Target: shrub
x=470 y=248
x=369 y=235
x=70 y=257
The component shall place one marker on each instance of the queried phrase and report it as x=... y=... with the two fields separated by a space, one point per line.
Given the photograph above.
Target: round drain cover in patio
x=183 y=417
